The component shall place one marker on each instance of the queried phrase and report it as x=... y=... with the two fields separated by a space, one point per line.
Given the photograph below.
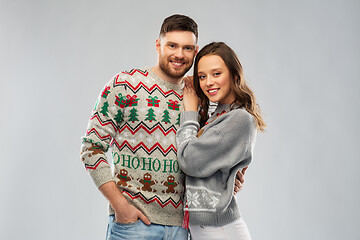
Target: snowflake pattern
x=192 y=198
x=157 y=136
x=158 y=111
x=213 y=201
x=201 y=198
x=143 y=111
x=164 y=141
x=133 y=140
x=149 y=140
x=146 y=80
x=174 y=114
x=141 y=136
x=186 y=135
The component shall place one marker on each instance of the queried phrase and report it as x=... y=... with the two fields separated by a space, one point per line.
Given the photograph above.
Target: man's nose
x=179 y=53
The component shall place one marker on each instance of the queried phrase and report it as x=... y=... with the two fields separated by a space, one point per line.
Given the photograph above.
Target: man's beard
x=173 y=74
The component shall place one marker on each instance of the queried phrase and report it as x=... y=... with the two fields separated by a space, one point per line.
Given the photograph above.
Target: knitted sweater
x=212 y=160
x=136 y=116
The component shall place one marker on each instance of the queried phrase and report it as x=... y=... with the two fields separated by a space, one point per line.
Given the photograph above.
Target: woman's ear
x=237 y=79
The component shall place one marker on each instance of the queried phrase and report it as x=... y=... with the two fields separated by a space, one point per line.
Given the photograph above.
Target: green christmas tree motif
x=150 y=115
x=133 y=115
x=178 y=120
x=105 y=109
x=119 y=116
x=166 y=117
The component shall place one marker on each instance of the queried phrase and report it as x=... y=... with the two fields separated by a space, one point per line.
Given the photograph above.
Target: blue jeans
x=139 y=230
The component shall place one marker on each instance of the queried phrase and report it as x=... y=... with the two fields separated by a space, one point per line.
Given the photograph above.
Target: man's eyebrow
x=171 y=43
x=176 y=44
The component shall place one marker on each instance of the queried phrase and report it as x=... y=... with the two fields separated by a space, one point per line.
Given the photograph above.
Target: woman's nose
x=209 y=81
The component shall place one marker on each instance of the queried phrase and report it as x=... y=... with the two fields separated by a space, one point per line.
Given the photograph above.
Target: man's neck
x=160 y=73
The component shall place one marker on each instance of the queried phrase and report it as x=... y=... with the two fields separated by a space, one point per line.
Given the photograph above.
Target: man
x=137 y=115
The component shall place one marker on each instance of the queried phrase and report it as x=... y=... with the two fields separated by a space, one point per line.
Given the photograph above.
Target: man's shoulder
x=132 y=73
x=135 y=72
x=130 y=77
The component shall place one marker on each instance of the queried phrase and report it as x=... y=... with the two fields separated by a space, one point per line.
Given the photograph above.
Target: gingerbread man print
x=123 y=178
x=147 y=183
x=170 y=184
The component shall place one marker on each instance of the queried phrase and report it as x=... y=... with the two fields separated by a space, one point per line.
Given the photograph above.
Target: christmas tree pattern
x=166 y=117
x=119 y=116
x=133 y=115
x=105 y=109
x=150 y=115
x=178 y=120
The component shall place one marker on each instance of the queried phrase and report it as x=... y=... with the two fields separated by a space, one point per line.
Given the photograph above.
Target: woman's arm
x=226 y=142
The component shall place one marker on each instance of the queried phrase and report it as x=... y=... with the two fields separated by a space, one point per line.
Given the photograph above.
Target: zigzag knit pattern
x=136 y=116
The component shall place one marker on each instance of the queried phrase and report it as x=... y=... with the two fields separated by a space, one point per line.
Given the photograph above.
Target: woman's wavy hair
x=244 y=96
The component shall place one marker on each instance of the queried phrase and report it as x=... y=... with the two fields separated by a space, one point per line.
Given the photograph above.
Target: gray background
x=301 y=58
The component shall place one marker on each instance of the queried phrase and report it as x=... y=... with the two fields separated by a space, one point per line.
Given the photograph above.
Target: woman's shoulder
x=233 y=119
x=241 y=113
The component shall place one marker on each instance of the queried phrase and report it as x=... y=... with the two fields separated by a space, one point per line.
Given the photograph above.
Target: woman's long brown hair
x=244 y=96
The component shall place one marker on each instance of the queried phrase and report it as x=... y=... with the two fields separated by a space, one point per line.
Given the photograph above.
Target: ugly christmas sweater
x=211 y=161
x=136 y=116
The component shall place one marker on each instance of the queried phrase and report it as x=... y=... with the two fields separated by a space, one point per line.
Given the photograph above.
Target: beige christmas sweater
x=136 y=117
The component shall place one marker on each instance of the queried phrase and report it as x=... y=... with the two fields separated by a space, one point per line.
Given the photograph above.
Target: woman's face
x=215 y=79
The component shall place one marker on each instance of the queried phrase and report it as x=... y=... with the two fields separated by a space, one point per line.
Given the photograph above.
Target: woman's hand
x=190 y=99
x=239 y=180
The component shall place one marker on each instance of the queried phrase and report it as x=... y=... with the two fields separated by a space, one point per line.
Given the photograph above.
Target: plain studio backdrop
x=301 y=58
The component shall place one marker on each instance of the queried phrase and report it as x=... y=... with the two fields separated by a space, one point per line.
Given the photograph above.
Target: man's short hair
x=179 y=22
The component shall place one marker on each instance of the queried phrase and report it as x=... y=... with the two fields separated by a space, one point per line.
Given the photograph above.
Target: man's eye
x=172 y=46
x=188 y=48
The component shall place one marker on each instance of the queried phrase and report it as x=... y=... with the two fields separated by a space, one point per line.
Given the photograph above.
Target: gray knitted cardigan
x=212 y=160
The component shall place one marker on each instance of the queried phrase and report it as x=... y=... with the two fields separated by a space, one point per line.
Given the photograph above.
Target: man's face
x=176 y=51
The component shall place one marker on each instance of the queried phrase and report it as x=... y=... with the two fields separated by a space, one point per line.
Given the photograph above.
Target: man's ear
x=158 y=45
x=196 y=50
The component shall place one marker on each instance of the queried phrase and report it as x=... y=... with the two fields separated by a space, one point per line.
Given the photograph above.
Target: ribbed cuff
x=189 y=116
x=219 y=218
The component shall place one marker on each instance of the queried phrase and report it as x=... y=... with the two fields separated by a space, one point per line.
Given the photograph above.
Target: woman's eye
x=217 y=74
x=201 y=77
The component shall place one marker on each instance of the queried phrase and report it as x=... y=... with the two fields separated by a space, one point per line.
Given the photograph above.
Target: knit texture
x=212 y=160
x=136 y=116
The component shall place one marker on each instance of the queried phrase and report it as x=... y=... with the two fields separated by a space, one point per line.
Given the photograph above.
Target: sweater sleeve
x=100 y=131
x=226 y=142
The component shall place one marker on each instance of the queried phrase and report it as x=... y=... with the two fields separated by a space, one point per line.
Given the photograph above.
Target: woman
x=211 y=156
